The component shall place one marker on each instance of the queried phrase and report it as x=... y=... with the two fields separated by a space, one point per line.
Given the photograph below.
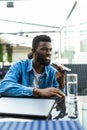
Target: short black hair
x=40 y=38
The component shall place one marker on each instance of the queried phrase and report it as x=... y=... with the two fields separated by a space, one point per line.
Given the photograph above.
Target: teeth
x=47 y=58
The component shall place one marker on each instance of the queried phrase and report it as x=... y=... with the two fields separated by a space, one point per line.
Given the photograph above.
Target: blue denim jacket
x=19 y=79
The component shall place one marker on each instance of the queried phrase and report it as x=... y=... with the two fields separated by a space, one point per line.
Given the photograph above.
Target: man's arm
x=48 y=92
x=12 y=89
x=10 y=85
x=8 y=88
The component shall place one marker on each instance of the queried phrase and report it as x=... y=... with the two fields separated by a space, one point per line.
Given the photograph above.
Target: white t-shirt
x=36 y=79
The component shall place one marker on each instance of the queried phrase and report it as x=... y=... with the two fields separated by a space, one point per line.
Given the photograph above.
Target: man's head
x=42 y=49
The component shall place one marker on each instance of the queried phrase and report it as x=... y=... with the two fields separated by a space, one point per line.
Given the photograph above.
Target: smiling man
x=33 y=77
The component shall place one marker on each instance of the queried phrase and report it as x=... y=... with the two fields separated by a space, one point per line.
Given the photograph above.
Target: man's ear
x=33 y=50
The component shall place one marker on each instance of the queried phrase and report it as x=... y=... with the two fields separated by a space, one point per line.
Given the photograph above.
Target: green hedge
x=9 y=52
x=1 y=53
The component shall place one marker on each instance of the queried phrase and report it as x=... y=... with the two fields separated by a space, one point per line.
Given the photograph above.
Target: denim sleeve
x=9 y=86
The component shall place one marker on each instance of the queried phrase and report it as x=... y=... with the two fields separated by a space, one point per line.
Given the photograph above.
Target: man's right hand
x=48 y=92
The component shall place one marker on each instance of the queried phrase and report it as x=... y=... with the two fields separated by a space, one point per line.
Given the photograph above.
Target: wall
x=20 y=52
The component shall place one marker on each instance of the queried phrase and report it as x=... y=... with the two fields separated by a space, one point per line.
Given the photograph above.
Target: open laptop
x=29 y=108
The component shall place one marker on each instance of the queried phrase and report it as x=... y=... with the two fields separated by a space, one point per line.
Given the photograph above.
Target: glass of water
x=72 y=89
x=72 y=96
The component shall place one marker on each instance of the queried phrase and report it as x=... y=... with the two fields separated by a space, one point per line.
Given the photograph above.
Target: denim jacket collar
x=30 y=67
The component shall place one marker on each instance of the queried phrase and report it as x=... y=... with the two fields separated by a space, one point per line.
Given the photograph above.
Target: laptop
x=28 y=108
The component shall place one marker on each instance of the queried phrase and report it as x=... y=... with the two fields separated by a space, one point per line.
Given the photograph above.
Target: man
x=60 y=74
x=33 y=77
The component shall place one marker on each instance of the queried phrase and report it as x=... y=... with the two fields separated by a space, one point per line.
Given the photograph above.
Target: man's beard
x=43 y=61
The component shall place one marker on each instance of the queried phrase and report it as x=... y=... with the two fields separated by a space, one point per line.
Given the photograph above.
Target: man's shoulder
x=23 y=63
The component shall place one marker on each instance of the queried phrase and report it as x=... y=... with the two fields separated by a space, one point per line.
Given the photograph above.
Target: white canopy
x=30 y=17
x=34 y=15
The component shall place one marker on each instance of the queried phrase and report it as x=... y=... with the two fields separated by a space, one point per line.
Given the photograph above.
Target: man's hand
x=48 y=92
x=60 y=75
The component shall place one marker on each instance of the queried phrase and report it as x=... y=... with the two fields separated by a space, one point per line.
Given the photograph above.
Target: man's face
x=43 y=53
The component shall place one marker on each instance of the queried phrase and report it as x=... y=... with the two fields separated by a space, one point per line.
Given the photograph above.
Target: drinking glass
x=72 y=86
x=72 y=96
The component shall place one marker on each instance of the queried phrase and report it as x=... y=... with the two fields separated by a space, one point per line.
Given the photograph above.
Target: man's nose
x=48 y=52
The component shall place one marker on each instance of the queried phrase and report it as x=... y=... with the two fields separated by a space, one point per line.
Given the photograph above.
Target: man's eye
x=44 y=49
x=51 y=49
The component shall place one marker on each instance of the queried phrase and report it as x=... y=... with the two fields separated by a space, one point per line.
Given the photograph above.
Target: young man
x=33 y=77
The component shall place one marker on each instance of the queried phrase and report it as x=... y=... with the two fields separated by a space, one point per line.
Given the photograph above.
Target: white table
x=82 y=113
x=82 y=110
